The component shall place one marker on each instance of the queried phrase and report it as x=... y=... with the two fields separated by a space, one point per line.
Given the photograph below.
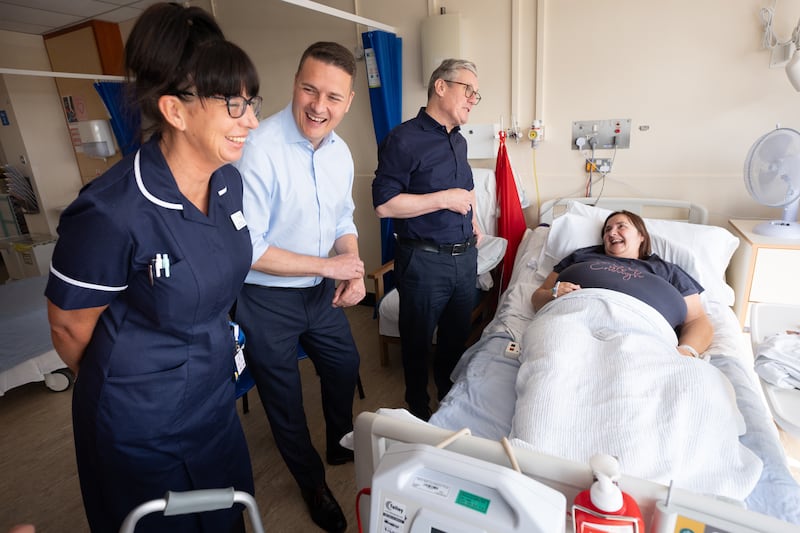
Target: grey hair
x=448 y=70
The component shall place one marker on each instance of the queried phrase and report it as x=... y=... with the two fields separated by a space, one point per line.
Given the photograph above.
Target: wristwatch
x=554 y=290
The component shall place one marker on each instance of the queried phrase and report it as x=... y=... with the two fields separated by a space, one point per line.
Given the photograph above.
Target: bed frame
x=678 y=210
x=375 y=433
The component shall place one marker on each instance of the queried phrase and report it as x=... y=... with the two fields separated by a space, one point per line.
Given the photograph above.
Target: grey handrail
x=195 y=501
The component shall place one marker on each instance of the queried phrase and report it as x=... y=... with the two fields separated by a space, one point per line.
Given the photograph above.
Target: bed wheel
x=59 y=380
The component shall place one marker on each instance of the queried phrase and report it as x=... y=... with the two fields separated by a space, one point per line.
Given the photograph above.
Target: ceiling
x=43 y=16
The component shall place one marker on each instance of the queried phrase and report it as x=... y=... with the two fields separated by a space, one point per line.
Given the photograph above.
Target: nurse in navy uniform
x=149 y=260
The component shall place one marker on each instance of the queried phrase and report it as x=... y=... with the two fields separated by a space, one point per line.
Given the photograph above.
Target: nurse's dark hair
x=638 y=223
x=331 y=54
x=174 y=49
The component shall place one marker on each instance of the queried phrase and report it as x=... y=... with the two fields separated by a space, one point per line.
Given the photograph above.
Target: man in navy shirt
x=424 y=183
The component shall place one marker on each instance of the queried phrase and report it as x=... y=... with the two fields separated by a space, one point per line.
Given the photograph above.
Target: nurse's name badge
x=238 y=220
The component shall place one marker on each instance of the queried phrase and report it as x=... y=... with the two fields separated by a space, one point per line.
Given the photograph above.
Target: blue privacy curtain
x=383 y=52
x=124 y=118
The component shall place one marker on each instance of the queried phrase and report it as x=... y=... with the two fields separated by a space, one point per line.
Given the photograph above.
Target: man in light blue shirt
x=298 y=178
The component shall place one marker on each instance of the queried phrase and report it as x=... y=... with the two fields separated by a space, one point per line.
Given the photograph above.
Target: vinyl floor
x=38 y=478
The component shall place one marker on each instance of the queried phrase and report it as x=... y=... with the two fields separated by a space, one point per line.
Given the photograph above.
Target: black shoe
x=325 y=512
x=338 y=455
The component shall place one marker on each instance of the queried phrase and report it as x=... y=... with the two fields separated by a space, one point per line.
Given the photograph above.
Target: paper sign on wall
x=80 y=108
x=373 y=75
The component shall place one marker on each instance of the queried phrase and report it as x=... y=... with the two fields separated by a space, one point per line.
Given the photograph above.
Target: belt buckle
x=459 y=248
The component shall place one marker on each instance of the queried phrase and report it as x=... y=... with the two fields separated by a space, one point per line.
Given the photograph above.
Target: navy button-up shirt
x=418 y=157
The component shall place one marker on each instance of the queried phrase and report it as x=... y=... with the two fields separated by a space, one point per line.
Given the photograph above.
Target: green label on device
x=472 y=501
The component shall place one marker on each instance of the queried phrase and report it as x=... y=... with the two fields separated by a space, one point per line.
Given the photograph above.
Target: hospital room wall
x=276 y=48
x=693 y=76
x=694 y=73
x=36 y=141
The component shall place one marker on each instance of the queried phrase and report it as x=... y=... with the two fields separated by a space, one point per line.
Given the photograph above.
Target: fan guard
x=772 y=177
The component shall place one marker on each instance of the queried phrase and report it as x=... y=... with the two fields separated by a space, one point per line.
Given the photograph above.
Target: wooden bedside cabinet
x=763 y=269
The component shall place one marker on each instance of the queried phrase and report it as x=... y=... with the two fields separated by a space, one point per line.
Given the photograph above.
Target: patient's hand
x=565 y=287
x=349 y=293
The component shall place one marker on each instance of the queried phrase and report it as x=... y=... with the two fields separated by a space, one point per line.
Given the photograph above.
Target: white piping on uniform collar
x=137 y=171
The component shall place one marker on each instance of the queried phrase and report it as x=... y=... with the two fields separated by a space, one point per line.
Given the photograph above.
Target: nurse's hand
x=349 y=293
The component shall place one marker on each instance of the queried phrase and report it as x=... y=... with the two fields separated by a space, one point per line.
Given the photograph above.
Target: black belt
x=449 y=249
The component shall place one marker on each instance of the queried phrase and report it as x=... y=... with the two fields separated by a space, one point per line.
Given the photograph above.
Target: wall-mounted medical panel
x=601 y=134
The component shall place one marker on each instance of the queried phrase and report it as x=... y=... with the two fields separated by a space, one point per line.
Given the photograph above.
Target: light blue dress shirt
x=295 y=198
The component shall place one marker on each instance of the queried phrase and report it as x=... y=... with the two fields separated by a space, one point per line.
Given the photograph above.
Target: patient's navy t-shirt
x=660 y=284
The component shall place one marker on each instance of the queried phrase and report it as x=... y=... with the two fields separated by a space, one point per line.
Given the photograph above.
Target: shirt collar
x=430 y=123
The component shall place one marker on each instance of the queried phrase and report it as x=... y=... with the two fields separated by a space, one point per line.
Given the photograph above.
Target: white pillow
x=702 y=251
x=568 y=233
x=490 y=252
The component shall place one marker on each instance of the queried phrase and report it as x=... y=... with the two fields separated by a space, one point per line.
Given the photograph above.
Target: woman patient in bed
x=624 y=263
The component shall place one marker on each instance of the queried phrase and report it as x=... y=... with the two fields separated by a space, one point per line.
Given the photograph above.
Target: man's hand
x=458 y=200
x=345 y=266
x=349 y=293
x=476 y=230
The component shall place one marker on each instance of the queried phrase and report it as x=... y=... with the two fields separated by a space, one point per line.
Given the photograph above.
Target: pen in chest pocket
x=159 y=265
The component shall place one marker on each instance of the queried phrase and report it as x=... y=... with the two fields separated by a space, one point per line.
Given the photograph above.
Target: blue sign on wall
x=3 y=117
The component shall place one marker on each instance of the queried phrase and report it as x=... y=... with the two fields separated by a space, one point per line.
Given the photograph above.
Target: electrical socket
x=598 y=165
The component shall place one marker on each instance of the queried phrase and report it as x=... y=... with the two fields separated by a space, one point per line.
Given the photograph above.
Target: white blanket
x=600 y=373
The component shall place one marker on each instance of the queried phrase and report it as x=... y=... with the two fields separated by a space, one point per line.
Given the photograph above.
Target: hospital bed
x=484 y=394
x=26 y=351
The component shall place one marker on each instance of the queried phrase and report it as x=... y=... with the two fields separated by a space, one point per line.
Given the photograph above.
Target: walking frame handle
x=195 y=501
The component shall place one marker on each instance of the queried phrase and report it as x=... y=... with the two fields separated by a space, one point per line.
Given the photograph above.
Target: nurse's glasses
x=237 y=105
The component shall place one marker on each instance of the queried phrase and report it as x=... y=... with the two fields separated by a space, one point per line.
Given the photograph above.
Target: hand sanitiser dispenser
x=419 y=488
x=96 y=138
x=604 y=507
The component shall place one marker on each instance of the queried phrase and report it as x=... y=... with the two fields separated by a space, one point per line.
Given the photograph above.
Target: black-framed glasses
x=469 y=91
x=237 y=105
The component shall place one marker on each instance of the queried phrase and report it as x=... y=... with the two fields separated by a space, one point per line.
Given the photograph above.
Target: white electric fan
x=772 y=176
